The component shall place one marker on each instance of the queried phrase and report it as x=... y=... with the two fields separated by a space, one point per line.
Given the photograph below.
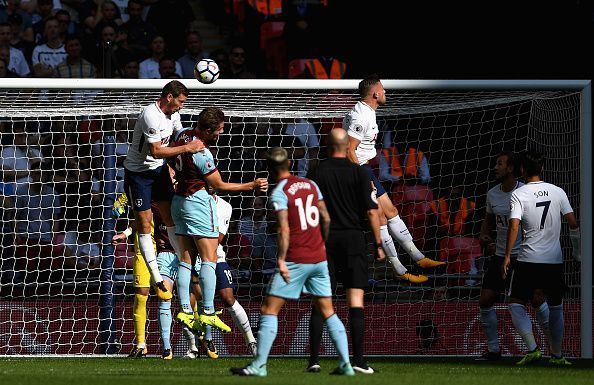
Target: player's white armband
x=574 y=235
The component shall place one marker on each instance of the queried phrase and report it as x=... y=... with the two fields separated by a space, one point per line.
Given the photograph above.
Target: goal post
x=65 y=307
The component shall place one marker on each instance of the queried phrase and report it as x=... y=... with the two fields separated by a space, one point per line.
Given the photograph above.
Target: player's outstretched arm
x=160 y=152
x=283 y=237
x=121 y=237
x=214 y=179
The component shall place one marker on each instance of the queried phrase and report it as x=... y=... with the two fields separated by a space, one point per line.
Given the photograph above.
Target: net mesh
x=65 y=290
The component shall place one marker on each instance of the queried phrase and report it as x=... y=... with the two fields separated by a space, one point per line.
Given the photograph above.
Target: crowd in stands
x=150 y=39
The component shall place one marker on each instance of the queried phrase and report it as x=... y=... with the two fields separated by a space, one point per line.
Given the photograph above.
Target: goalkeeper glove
x=119 y=206
x=574 y=235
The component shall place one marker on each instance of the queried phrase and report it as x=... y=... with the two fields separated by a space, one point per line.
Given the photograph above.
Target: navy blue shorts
x=142 y=187
x=224 y=277
x=376 y=182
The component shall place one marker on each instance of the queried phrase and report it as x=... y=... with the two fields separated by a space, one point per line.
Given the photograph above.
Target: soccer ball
x=206 y=71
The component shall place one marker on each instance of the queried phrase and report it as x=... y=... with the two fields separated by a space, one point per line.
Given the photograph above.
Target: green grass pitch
x=284 y=371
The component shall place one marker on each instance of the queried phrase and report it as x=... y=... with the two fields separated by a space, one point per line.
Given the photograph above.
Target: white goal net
x=66 y=290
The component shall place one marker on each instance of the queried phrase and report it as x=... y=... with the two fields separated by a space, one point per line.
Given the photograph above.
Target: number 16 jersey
x=540 y=206
x=300 y=197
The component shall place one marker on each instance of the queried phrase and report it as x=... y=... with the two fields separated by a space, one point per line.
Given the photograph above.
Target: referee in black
x=350 y=200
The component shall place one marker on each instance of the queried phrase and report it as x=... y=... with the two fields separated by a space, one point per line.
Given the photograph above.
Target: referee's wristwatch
x=378 y=245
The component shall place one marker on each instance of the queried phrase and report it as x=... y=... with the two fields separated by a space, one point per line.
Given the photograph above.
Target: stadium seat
x=297 y=68
x=460 y=253
x=414 y=215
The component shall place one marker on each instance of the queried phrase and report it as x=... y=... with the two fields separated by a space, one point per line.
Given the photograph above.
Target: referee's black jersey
x=347 y=192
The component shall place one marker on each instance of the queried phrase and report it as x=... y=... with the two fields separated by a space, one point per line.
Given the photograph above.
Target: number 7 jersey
x=539 y=206
x=300 y=197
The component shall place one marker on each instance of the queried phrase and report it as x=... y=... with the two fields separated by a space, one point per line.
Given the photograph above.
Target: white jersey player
x=361 y=126
x=152 y=126
x=538 y=207
x=496 y=219
x=147 y=179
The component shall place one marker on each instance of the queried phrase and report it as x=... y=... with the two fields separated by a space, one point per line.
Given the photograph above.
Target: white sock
x=147 y=249
x=489 y=324
x=542 y=316
x=522 y=324
x=556 y=326
x=401 y=234
x=173 y=241
x=390 y=250
x=241 y=319
x=190 y=337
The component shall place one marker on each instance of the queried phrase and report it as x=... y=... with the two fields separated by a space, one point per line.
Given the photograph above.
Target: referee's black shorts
x=347 y=259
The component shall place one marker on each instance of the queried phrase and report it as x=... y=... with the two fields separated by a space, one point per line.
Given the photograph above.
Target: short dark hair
x=366 y=84
x=511 y=160
x=175 y=88
x=70 y=38
x=532 y=162
x=277 y=158
x=210 y=118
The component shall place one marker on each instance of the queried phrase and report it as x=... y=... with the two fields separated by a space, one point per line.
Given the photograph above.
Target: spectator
x=72 y=177
x=161 y=14
x=167 y=68
x=130 y=70
x=75 y=66
x=149 y=68
x=46 y=57
x=306 y=133
x=14 y=57
x=66 y=26
x=254 y=226
x=5 y=72
x=140 y=33
x=238 y=68
x=106 y=13
x=37 y=213
x=410 y=165
x=221 y=57
x=44 y=12
x=109 y=53
x=455 y=213
x=17 y=160
x=16 y=41
x=324 y=67
x=194 y=53
x=12 y=7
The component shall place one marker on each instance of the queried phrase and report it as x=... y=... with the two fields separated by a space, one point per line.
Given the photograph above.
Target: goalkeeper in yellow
x=168 y=266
